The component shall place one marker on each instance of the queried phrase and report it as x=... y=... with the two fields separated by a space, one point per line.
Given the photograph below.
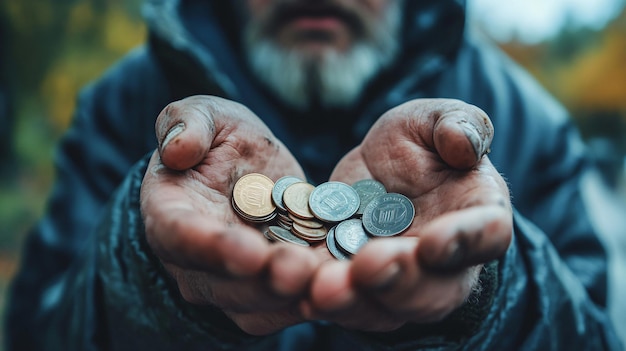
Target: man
x=324 y=90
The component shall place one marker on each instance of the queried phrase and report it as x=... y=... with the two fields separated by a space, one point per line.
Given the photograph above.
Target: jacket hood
x=197 y=35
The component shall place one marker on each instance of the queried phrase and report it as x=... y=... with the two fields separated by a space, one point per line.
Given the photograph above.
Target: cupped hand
x=205 y=145
x=433 y=151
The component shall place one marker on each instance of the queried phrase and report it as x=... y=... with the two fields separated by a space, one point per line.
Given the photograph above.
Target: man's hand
x=205 y=145
x=432 y=151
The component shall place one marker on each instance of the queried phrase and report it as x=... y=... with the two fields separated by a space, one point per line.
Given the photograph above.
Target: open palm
x=432 y=151
x=205 y=145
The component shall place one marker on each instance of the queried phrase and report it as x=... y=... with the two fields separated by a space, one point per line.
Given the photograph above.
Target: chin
x=325 y=67
x=330 y=77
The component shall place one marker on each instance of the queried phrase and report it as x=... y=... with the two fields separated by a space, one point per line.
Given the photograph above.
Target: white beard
x=335 y=80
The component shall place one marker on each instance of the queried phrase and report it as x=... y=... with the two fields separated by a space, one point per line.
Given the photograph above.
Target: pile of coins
x=345 y=216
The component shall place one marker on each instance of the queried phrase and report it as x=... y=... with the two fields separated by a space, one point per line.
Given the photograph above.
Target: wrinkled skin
x=213 y=255
x=420 y=149
x=432 y=152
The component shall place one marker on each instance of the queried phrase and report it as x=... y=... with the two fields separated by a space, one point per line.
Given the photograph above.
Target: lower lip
x=317 y=24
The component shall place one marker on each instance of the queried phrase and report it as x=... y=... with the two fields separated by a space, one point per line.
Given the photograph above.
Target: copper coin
x=309 y=223
x=252 y=194
x=279 y=189
x=296 y=199
x=309 y=234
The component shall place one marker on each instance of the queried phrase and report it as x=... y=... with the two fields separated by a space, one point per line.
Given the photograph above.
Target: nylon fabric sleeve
x=144 y=310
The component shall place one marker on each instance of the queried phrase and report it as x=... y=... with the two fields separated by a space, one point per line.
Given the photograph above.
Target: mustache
x=286 y=11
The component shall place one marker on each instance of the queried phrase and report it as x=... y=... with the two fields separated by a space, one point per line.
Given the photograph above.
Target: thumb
x=185 y=130
x=462 y=134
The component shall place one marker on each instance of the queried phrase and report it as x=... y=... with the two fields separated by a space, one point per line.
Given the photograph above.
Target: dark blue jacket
x=88 y=280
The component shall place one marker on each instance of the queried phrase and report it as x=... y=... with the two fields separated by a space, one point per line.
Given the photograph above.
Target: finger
x=462 y=134
x=362 y=313
x=181 y=234
x=193 y=241
x=388 y=271
x=185 y=130
x=465 y=238
x=383 y=262
x=288 y=275
x=331 y=287
x=263 y=323
x=291 y=269
x=222 y=134
x=333 y=298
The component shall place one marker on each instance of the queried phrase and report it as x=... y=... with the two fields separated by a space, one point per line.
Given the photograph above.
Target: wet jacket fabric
x=88 y=280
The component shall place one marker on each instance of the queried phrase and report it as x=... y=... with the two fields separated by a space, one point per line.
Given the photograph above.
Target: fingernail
x=386 y=277
x=454 y=255
x=172 y=133
x=474 y=138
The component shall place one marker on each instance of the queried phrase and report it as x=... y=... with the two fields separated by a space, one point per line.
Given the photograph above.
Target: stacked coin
x=282 y=215
x=303 y=223
x=252 y=198
x=303 y=213
x=277 y=233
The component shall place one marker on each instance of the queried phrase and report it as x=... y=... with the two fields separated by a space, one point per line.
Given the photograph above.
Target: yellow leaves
x=597 y=79
x=120 y=34
x=58 y=90
x=589 y=79
x=94 y=39
x=25 y=17
x=81 y=17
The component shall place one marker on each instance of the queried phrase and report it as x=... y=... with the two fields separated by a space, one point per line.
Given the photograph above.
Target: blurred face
x=319 y=51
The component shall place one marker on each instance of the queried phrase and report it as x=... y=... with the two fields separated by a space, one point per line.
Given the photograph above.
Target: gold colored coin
x=309 y=223
x=252 y=196
x=309 y=234
x=296 y=199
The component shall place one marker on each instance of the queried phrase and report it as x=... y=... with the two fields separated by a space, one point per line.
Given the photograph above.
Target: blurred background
x=49 y=49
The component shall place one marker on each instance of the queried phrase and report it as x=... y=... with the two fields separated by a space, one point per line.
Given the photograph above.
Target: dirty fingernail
x=172 y=133
x=475 y=139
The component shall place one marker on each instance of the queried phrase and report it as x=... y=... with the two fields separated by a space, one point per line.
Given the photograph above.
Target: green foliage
x=585 y=70
x=52 y=49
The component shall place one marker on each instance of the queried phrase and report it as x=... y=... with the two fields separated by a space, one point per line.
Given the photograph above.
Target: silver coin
x=267 y=235
x=333 y=201
x=350 y=235
x=367 y=190
x=279 y=189
x=283 y=235
x=388 y=215
x=331 y=244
